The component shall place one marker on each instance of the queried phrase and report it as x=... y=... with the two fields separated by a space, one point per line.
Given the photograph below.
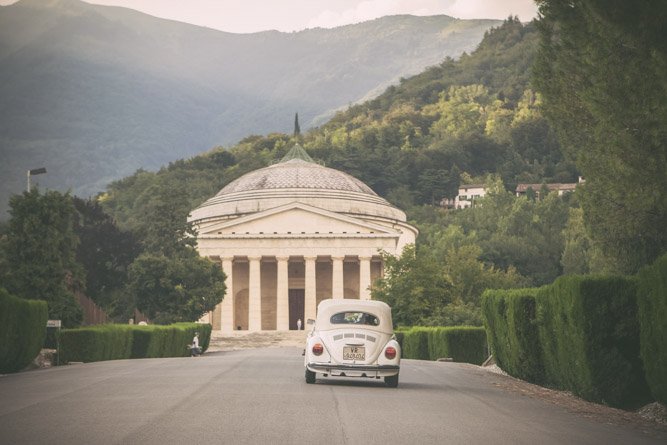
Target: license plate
x=354 y=353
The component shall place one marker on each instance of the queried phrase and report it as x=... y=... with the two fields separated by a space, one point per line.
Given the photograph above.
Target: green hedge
x=22 y=331
x=111 y=342
x=589 y=332
x=461 y=343
x=465 y=344
x=652 y=301
x=415 y=343
x=511 y=326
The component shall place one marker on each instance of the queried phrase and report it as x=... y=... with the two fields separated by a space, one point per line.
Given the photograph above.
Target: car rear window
x=358 y=318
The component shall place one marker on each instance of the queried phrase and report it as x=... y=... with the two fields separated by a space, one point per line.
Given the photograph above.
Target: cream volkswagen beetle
x=353 y=338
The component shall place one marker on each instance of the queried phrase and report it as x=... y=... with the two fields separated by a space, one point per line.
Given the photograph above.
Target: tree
x=175 y=289
x=40 y=253
x=105 y=252
x=413 y=286
x=602 y=70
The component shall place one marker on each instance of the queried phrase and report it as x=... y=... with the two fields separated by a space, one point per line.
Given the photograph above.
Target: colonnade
x=271 y=292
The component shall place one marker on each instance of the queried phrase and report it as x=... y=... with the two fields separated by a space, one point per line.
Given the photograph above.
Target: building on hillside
x=561 y=189
x=291 y=235
x=465 y=198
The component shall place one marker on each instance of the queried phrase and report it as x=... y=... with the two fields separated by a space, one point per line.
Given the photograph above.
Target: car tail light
x=390 y=352
x=318 y=349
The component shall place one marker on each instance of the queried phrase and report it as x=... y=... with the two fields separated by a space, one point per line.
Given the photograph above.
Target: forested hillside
x=475 y=118
x=94 y=93
x=471 y=117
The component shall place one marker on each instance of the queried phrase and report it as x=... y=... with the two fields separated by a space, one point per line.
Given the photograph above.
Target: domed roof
x=296 y=174
x=296 y=178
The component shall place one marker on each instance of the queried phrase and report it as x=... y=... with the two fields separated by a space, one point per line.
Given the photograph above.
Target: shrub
x=511 y=327
x=110 y=342
x=652 y=302
x=589 y=333
x=22 y=331
x=461 y=343
x=415 y=343
x=465 y=344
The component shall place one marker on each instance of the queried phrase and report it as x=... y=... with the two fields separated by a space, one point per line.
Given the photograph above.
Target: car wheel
x=310 y=376
x=391 y=381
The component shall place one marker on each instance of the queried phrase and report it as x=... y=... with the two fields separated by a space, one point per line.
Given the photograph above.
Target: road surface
x=260 y=396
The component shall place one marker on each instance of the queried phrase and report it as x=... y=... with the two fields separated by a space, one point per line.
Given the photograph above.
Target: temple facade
x=292 y=234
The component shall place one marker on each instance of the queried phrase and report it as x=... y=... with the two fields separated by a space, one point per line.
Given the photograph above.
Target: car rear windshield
x=358 y=318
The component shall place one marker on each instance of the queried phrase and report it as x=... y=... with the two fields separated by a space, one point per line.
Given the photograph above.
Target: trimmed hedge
x=415 y=343
x=465 y=344
x=652 y=302
x=589 y=332
x=112 y=341
x=511 y=327
x=22 y=331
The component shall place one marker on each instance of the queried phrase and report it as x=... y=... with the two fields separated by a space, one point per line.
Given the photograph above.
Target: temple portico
x=273 y=292
x=291 y=235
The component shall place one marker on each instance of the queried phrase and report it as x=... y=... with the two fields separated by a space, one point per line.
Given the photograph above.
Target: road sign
x=53 y=323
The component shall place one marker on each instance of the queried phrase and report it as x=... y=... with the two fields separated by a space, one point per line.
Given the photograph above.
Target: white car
x=353 y=338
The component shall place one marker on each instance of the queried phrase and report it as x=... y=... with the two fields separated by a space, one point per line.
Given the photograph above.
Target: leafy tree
x=105 y=252
x=413 y=286
x=173 y=289
x=602 y=70
x=40 y=253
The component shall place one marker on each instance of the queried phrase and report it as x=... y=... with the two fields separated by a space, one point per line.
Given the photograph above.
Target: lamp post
x=34 y=171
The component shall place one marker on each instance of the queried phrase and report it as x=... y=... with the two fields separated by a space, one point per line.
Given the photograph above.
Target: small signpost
x=55 y=324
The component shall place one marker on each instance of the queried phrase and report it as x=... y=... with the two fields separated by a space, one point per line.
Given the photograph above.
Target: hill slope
x=95 y=92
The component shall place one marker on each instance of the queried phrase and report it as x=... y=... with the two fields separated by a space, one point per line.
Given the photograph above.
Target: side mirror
x=310 y=321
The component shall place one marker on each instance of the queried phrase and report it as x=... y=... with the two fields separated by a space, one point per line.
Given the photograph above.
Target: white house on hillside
x=467 y=195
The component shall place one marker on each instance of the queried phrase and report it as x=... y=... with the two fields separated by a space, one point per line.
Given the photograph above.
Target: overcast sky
x=294 y=15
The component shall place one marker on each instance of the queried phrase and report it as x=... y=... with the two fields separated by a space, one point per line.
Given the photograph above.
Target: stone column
x=227 y=305
x=337 y=285
x=282 y=292
x=364 y=278
x=254 y=294
x=311 y=290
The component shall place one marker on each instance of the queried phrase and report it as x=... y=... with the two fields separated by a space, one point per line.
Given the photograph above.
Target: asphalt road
x=260 y=396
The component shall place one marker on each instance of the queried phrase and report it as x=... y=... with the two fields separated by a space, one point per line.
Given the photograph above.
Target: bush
x=465 y=344
x=652 y=302
x=511 y=327
x=415 y=343
x=22 y=331
x=110 y=342
x=589 y=333
x=461 y=343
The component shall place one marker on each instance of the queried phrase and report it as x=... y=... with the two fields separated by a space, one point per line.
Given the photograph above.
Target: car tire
x=391 y=381
x=310 y=376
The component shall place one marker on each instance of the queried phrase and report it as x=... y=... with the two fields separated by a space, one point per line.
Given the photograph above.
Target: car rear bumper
x=350 y=370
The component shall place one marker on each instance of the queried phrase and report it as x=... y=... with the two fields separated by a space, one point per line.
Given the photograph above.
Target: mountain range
x=94 y=93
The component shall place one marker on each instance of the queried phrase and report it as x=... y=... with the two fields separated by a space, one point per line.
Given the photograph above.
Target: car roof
x=328 y=308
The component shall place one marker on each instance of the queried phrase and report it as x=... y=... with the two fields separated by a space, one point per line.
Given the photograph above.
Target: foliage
x=413 y=286
x=40 y=253
x=22 y=331
x=180 y=288
x=589 y=332
x=465 y=344
x=603 y=74
x=652 y=301
x=112 y=342
x=510 y=320
x=105 y=253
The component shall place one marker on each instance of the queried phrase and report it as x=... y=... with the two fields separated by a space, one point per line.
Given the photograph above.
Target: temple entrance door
x=296 y=308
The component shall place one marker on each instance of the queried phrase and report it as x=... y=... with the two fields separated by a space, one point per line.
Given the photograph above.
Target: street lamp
x=34 y=171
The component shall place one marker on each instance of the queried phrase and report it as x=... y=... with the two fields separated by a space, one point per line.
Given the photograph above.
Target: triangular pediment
x=295 y=218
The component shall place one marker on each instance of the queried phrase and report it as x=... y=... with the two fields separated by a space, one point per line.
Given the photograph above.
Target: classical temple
x=292 y=234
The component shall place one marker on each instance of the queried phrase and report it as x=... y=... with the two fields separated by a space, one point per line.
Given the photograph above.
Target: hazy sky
x=294 y=15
